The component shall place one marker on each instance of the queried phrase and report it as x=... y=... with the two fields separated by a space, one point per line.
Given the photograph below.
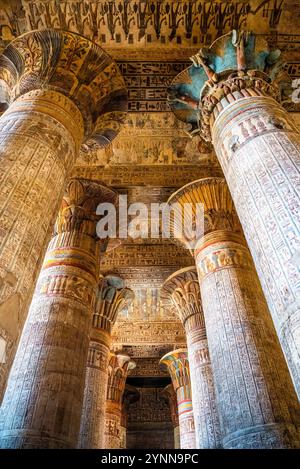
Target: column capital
x=237 y=65
x=79 y=205
x=218 y=207
x=65 y=63
x=118 y=367
x=177 y=364
x=112 y=298
x=183 y=291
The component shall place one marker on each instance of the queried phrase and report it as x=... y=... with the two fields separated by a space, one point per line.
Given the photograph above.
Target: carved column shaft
x=257 y=404
x=43 y=401
x=256 y=401
x=178 y=367
x=183 y=290
x=56 y=100
x=186 y=417
x=46 y=128
x=112 y=297
x=96 y=379
x=231 y=93
x=119 y=365
x=123 y=426
x=170 y=396
x=177 y=437
x=262 y=172
x=113 y=437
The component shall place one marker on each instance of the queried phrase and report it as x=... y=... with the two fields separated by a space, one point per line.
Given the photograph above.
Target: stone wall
x=149 y=422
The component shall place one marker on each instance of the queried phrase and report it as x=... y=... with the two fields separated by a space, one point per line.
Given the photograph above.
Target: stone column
x=61 y=90
x=178 y=367
x=170 y=397
x=131 y=395
x=240 y=84
x=257 y=403
x=119 y=365
x=112 y=297
x=42 y=405
x=182 y=288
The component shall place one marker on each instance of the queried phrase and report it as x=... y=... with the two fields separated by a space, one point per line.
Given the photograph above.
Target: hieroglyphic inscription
x=120 y=176
x=149 y=332
x=147 y=367
x=145 y=255
x=176 y=22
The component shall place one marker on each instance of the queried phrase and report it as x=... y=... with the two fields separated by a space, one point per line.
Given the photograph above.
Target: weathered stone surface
x=43 y=401
x=95 y=390
x=178 y=366
x=112 y=297
x=118 y=367
x=169 y=395
x=231 y=93
x=257 y=405
x=56 y=100
x=152 y=156
x=256 y=401
x=149 y=421
x=265 y=188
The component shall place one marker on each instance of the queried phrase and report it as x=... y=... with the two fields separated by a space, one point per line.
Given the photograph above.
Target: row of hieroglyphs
x=147 y=20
